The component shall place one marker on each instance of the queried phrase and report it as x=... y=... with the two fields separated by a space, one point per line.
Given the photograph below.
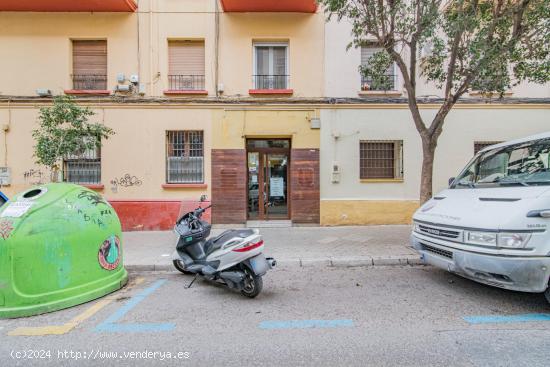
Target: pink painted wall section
x=151 y=215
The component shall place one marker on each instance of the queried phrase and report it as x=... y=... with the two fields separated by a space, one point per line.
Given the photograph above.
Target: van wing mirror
x=451 y=180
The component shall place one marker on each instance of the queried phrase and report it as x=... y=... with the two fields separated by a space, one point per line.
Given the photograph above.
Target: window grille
x=83 y=168
x=381 y=159
x=184 y=157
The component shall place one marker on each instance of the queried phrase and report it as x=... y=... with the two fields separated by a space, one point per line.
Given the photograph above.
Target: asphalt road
x=379 y=316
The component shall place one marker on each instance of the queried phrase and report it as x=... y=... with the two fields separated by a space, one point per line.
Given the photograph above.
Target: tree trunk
x=426 y=180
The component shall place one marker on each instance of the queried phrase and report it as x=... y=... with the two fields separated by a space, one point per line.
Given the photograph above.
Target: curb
x=332 y=262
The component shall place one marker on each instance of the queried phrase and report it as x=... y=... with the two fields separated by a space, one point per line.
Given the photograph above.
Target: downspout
x=217 y=47
x=150 y=47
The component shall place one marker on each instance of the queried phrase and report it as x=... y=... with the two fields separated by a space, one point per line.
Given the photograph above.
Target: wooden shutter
x=186 y=57
x=90 y=57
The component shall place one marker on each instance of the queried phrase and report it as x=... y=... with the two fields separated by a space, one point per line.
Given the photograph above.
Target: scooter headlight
x=513 y=240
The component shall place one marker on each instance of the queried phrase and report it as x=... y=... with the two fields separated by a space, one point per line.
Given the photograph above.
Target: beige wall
x=232 y=126
x=304 y=33
x=36 y=51
x=138 y=148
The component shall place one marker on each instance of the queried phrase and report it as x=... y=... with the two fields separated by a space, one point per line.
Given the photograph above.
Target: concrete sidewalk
x=291 y=247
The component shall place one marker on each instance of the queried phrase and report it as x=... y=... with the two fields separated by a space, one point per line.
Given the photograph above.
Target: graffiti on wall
x=125 y=181
x=34 y=177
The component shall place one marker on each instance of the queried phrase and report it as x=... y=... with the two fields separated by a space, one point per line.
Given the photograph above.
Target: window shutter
x=186 y=58
x=90 y=57
x=279 y=56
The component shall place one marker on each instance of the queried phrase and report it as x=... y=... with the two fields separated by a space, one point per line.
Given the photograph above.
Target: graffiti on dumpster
x=34 y=177
x=125 y=181
x=6 y=226
x=92 y=197
x=109 y=253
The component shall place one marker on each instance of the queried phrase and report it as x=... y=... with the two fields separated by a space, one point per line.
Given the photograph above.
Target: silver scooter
x=234 y=258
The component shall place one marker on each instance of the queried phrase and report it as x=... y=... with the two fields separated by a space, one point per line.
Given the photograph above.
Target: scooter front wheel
x=178 y=264
x=253 y=284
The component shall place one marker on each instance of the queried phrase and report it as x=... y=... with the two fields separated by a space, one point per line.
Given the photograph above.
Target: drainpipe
x=217 y=47
x=150 y=47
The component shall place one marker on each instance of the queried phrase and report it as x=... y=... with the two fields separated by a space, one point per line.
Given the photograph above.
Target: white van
x=492 y=224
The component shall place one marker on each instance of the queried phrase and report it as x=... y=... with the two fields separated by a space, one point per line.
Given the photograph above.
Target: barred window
x=369 y=82
x=479 y=145
x=184 y=157
x=381 y=159
x=83 y=168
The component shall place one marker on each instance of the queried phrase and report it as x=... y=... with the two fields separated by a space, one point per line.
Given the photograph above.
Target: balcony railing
x=186 y=82
x=89 y=82
x=271 y=81
x=386 y=83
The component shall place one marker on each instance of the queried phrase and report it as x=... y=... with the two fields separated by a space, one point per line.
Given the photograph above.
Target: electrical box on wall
x=5 y=176
x=335 y=172
x=315 y=122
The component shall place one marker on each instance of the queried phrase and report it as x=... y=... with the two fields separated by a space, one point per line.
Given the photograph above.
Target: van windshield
x=524 y=164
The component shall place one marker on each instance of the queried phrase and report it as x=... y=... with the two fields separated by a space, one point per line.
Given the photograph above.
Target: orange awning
x=69 y=5
x=294 y=6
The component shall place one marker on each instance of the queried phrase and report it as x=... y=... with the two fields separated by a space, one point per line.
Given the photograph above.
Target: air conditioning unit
x=123 y=88
x=335 y=172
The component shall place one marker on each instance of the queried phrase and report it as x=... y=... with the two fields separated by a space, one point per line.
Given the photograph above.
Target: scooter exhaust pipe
x=233 y=276
x=271 y=262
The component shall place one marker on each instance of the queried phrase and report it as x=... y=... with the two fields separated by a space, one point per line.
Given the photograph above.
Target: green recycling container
x=60 y=245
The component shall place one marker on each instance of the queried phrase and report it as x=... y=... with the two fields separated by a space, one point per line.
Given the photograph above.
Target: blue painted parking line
x=111 y=325
x=497 y=319
x=305 y=324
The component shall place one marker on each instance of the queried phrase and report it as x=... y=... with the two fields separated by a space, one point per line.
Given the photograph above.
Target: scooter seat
x=217 y=242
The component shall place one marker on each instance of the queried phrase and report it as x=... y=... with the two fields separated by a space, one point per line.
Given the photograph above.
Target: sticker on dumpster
x=109 y=253
x=17 y=209
x=6 y=226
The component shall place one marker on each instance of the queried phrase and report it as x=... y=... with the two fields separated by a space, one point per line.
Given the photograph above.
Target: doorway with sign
x=268 y=178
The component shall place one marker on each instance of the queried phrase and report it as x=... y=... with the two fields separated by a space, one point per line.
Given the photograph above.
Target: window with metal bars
x=184 y=157
x=479 y=145
x=381 y=159
x=83 y=168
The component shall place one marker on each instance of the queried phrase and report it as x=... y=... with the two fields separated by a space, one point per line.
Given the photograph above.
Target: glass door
x=267 y=180
x=276 y=206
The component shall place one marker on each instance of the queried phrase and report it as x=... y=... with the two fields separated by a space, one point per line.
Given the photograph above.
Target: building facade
x=255 y=104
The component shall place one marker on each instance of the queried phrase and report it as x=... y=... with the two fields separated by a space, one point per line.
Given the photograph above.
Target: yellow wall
x=366 y=212
x=304 y=33
x=138 y=148
x=36 y=49
x=232 y=127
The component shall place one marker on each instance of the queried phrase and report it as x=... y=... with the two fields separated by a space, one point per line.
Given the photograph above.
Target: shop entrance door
x=268 y=178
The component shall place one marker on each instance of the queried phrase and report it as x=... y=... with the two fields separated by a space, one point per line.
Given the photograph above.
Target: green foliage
x=489 y=46
x=64 y=130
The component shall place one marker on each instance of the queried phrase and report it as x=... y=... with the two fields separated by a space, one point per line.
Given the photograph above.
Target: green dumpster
x=60 y=245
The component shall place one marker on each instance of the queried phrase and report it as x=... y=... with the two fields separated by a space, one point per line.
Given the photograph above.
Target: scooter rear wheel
x=253 y=284
x=178 y=264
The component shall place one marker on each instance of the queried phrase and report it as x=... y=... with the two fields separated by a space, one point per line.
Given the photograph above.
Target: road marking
x=496 y=319
x=111 y=325
x=64 y=329
x=305 y=324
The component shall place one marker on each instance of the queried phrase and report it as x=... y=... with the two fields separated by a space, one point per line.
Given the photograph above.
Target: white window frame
x=255 y=45
x=394 y=66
